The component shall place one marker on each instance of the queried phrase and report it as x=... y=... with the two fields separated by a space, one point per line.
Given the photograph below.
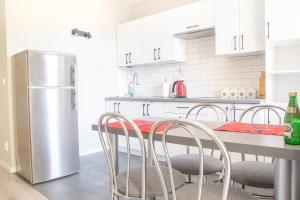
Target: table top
x=257 y=144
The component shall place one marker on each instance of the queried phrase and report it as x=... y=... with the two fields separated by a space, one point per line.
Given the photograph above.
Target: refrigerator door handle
x=73 y=75
x=74 y=99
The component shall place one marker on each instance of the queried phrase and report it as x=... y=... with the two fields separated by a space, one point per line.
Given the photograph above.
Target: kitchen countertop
x=187 y=100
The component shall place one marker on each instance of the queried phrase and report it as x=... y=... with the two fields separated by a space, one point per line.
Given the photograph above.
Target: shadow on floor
x=91 y=183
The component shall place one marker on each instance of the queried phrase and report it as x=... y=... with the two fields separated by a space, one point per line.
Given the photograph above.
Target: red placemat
x=144 y=126
x=266 y=129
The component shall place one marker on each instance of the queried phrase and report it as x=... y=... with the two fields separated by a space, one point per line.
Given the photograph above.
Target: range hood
x=189 y=35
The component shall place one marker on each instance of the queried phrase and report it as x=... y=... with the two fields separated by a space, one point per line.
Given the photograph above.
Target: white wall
x=205 y=74
x=5 y=157
x=46 y=25
x=148 y=7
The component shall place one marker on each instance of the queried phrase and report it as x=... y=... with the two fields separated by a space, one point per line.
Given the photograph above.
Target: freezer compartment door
x=54 y=127
x=51 y=70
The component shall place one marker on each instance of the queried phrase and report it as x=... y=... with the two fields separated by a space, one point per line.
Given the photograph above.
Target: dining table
x=287 y=157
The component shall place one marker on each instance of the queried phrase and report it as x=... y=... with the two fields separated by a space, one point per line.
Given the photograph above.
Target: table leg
x=295 y=180
x=150 y=159
x=115 y=146
x=282 y=184
x=149 y=154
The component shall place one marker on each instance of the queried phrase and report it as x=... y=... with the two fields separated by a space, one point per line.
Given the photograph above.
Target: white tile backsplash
x=204 y=73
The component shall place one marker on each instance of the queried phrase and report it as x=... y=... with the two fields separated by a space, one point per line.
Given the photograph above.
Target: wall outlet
x=6 y=146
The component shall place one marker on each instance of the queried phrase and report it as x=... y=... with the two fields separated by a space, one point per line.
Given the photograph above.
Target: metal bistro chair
x=138 y=182
x=255 y=173
x=189 y=163
x=197 y=191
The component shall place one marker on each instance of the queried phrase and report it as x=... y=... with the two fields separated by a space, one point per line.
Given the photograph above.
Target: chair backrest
x=270 y=109
x=201 y=107
x=194 y=129
x=128 y=127
x=266 y=107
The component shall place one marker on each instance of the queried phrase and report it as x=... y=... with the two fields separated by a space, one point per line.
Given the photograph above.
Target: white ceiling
x=131 y=1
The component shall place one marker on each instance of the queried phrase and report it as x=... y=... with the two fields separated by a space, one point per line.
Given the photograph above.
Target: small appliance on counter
x=166 y=89
x=179 y=89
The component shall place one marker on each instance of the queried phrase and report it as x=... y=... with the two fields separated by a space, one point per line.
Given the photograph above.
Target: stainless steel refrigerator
x=45 y=115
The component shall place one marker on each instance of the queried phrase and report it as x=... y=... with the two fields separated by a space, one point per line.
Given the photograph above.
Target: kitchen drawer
x=182 y=116
x=180 y=108
x=239 y=109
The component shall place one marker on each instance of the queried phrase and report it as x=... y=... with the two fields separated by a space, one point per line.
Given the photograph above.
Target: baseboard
x=13 y=170
x=7 y=167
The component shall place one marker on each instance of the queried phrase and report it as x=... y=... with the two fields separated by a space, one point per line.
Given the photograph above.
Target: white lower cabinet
x=140 y=109
x=240 y=108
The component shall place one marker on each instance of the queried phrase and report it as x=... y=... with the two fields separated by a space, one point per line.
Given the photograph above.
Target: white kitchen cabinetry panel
x=179 y=110
x=227 y=26
x=252 y=26
x=282 y=19
x=155 y=109
x=129 y=38
x=211 y=115
x=195 y=16
x=127 y=108
x=159 y=43
x=149 y=40
x=240 y=108
x=136 y=109
x=239 y=26
x=111 y=106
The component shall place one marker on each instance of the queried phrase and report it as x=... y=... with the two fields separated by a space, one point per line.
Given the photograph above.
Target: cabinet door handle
x=268 y=30
x=115 y=107
x=242 y=36
x=119 y=107
x=182 y=107
x=158 y=53
x=126 y=58
x=154 y=54
x=143 y=109
x=129 y=57
x=148 y=114
x=234 y=41
x=194 y=26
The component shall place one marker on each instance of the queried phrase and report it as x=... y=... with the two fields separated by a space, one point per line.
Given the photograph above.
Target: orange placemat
x=144 y=126
x=266 y=129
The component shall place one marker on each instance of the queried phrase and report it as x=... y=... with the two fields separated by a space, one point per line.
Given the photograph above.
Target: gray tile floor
x=91 y=183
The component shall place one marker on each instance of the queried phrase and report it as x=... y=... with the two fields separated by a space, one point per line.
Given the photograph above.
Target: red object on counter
x=179 y=88
x=144 y=126
x=266 y=129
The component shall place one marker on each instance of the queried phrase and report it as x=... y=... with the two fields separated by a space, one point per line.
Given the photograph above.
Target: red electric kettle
x=180 y=91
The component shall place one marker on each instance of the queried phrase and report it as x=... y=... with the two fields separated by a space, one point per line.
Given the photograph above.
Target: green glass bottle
x=292 y=121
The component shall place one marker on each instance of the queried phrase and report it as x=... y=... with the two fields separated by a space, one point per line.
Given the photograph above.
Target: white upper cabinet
x=252 y=25
x=282 y=19
x=158 y=39
x=129 y=38
x=194 y=17
x=149 y=40
x=227 y=26
x=239 y=26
